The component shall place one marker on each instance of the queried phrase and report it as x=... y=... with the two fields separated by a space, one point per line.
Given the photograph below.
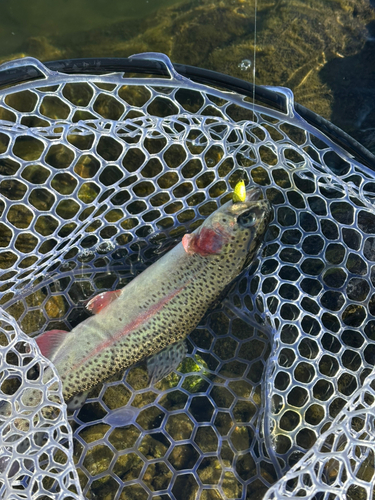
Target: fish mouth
x=253 y=194
x=257 y=201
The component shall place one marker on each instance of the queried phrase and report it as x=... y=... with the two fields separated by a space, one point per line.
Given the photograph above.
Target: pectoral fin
x=102 y=300
x=164 y=362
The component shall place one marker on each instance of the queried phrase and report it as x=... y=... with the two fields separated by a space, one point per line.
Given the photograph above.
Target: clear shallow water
x=324 y=50
x=21 y=19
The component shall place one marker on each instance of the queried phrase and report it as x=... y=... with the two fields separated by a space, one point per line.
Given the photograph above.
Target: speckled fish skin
x=166 y=302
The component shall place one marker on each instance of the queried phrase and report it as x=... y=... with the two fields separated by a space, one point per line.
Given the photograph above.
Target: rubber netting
x=35 y=452
x=100 y=175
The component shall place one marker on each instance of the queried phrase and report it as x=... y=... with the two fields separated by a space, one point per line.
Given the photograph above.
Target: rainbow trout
x=163 y=304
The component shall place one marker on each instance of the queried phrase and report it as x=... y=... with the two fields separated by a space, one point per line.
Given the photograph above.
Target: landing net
x=99 y=176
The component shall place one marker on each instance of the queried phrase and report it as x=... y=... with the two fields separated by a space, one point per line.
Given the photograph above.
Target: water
x=323 y=50
x=20 y=20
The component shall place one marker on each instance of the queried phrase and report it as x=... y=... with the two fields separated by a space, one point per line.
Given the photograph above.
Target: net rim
x=280 y=99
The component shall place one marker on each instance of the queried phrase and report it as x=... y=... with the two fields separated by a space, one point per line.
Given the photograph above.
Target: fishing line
x=255 y=43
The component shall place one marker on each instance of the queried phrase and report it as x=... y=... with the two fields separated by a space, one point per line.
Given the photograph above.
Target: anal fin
x=165 y=361
x=77 y=401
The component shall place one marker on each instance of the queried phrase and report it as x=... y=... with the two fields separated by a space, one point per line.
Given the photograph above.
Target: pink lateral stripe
x=131 y=327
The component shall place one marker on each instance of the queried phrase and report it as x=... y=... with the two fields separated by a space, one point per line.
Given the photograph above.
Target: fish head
x=250 y=222
x=243 y=223
x=235 y=231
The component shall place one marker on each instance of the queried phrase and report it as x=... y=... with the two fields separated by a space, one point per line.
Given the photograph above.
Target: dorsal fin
x=48 y=342
x=99 y=302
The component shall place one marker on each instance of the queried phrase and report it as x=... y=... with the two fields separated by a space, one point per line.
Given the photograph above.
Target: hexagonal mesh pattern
x=101 y=175
x=341 y=464
x=35 y=449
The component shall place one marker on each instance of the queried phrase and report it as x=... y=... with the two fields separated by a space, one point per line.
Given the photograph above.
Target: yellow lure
x=239 y=193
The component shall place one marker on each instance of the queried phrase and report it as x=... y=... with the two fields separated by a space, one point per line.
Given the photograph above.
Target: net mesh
x=100 y=175
x=341 y=463
x=35 y=451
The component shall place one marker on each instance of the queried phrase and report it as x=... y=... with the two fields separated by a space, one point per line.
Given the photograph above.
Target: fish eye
x=247 y=219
